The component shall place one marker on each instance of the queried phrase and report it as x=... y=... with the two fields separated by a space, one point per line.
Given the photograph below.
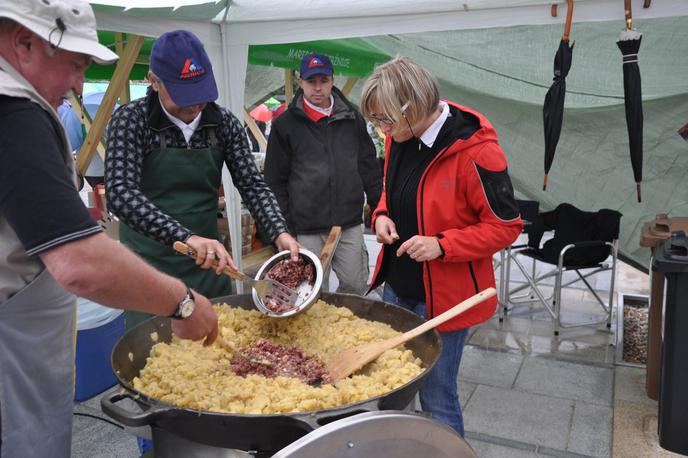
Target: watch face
x=187 y=308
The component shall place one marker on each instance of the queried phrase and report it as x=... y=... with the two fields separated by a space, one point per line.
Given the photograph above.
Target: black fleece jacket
x=319 y=171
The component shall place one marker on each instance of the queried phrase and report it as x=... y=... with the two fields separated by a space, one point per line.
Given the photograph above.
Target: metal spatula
x=229 y=345
x=267 y=289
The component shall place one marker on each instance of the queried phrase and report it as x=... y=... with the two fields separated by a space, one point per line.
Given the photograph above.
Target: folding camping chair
x=582 y=241
x=529 y=213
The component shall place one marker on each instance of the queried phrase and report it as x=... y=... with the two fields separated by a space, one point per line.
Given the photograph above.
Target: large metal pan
x=255 y=432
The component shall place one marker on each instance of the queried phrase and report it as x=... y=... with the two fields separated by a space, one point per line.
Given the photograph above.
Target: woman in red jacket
x=447 y=207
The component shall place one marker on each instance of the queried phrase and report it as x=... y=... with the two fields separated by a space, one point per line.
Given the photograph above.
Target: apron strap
x=163 y=142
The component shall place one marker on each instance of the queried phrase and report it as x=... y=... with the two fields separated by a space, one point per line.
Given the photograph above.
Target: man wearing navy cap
x=163 y=168
x=320 y=163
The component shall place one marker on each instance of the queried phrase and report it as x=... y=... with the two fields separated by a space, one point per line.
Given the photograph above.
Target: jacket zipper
x=428 y=300
x=475 y=280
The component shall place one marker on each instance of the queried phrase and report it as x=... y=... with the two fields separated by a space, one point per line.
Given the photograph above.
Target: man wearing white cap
x=50 y=248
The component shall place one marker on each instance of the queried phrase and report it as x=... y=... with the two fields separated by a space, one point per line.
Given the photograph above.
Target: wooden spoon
x=349 y=361
x=329 y=247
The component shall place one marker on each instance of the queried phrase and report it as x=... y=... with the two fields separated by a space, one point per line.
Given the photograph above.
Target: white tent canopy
x=507 y=46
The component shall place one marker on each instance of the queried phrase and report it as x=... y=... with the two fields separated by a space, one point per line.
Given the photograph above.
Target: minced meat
x=284 y=361
x=292 y=273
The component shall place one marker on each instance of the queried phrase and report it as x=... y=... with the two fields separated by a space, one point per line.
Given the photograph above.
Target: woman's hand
x=421 y=248
x=209 y=250
x=285 y=241
x=385 y=230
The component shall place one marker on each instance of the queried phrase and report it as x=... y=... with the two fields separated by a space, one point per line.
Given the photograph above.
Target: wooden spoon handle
x=448 y=315
x=330 y=245
x=183 y=248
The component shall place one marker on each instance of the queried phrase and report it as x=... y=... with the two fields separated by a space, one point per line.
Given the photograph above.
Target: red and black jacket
x=465 y=198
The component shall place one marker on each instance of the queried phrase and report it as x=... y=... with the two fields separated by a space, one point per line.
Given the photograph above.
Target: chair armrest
x=588 y=244
x=584 y=244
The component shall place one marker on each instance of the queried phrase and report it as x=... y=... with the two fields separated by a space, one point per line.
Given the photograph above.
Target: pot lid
x=382 y=433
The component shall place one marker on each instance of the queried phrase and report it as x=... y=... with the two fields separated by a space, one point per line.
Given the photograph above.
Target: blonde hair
x=396 y=83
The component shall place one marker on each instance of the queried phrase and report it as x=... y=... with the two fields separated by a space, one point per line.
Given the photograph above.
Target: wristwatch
x=185 y=307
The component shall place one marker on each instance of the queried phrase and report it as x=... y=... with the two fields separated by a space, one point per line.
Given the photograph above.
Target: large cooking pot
x=256 y=432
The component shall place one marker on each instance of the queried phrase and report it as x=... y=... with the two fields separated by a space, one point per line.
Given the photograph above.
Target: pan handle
x=315 y=421
x=127 y=417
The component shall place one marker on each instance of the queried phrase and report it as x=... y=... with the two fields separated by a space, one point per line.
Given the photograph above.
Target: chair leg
x=507 y=280
x=503 y=299
x=615 y=248
x=557 y=301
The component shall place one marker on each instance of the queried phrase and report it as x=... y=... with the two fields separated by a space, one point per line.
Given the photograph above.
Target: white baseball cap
x=66 y=24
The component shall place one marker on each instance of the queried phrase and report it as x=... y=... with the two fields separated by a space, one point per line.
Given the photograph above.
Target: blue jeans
x=439 y=394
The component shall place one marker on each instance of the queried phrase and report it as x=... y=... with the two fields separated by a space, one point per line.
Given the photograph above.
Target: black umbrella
x=553 y=108
x=629 y=44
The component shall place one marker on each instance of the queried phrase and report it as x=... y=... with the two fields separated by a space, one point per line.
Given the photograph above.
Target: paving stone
x=489 y=367
x=635 y=431
x=488 y=338
x=93 y=438
x=592 y=347
x=591 y=430
x=466 y=390
x=629 y=385
x=489 y=450
x=584 y=350
x=566 y=380
x=519 y=416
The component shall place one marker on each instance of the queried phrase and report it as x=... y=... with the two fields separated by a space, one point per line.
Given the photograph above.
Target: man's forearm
x=104 y=271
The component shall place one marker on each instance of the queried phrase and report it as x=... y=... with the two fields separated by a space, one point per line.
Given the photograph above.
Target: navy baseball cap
x=315 y=64
x=180 y=61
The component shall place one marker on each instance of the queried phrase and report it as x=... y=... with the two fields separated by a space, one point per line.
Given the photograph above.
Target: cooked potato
x=187 y=374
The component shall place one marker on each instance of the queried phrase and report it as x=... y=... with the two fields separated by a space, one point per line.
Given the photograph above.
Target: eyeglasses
x=380 y=120
x=386 y=120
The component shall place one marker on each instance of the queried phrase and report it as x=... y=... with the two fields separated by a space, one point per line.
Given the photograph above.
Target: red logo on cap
x=315 y=62
x=191 y=69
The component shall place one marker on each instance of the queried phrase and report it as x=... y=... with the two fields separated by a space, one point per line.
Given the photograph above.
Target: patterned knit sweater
x=134 y=132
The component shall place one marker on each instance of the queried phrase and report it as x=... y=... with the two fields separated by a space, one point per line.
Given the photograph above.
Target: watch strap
x=178 y=313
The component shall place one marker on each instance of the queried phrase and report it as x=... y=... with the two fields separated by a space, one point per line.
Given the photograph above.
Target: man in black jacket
x=320 y=161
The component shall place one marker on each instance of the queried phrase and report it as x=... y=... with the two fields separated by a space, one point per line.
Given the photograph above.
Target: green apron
x=183 y=183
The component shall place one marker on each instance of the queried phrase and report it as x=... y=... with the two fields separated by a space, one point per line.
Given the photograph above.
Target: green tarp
x=350 y=56
x=104 y=72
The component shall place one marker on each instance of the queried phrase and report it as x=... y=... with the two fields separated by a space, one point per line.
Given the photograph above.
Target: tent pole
x=125 y=97
x=288 y=85
x=232 y=88
x=120 y=77
x=86 y=120
x=349 y=85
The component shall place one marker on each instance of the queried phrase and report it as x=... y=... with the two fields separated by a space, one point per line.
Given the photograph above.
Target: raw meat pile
x=291 y=274
x=284 y=361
